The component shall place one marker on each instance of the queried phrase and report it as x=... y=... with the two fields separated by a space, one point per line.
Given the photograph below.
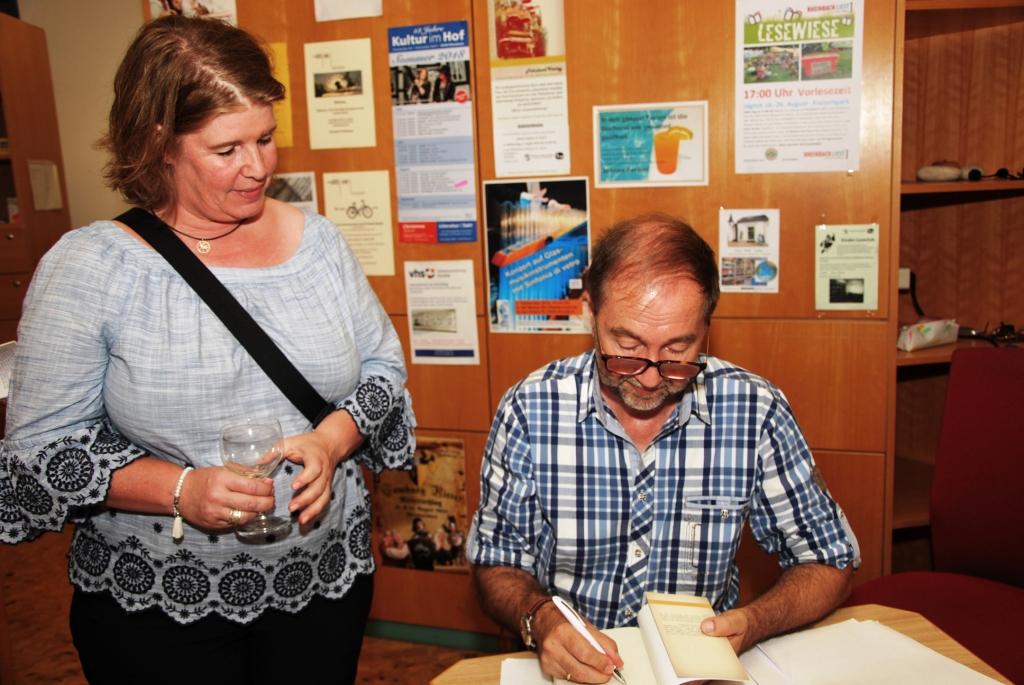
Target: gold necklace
x=203 y=244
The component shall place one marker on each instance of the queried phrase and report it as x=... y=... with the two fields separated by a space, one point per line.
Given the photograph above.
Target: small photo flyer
x=214 y=9
x=654 y=144
x=441 y=300
x=339 y=93
x=748 y=250
x=846 y=266
x=296 y=188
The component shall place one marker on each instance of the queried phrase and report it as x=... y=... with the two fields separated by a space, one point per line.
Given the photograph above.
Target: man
x=422 y=546
x=632 y=468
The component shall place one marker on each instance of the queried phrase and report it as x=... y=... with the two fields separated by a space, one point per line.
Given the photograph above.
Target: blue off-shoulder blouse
x=118 y=357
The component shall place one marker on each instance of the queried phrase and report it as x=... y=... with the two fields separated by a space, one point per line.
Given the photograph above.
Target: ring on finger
x=568 y=676
x=235 y=516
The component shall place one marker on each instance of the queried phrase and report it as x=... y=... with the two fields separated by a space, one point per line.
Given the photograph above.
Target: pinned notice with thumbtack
x=6 y=367
x=45 y=181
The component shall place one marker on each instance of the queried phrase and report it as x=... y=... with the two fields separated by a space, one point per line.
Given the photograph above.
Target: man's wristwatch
x=526 y=624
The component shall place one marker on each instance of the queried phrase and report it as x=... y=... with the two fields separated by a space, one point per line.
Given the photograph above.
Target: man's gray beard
x=621 y=385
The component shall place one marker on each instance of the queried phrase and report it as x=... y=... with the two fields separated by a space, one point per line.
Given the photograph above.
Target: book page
x=693 y=655
x=522 y=671
x=637 y=668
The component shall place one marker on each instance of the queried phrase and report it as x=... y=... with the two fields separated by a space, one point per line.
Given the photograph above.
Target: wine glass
x=254 y=448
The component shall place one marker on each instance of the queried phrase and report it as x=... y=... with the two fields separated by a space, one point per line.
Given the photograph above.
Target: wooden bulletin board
x=833 y=367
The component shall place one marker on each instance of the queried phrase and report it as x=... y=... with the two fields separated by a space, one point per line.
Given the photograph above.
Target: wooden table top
x=486 y=670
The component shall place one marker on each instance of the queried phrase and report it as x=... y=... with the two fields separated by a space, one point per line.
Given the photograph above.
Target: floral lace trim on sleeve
x=384 y=416
x=41 y=491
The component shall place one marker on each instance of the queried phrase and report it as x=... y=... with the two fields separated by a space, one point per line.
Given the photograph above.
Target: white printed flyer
x=846 y=266
x=339 y=93
x=529 y=89
x=359 y=204
x=442 y=312
x=432 y=117
x=798 y=85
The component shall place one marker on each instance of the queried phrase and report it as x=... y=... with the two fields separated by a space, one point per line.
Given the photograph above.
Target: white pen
x=576 y=621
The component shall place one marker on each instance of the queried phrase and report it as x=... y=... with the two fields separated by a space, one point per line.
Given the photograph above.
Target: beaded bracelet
x=178 y=530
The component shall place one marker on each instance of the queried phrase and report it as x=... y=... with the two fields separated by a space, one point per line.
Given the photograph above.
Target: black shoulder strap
x=253 y=338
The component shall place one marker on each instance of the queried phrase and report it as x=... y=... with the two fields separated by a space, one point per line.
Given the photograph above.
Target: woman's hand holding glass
x=253 y=449
x=209 y=495
x=319 y=452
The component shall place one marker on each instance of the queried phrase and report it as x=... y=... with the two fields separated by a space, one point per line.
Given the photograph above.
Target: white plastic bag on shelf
x=927 y=333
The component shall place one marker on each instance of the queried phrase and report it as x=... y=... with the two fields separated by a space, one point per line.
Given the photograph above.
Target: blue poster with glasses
x=538 y=245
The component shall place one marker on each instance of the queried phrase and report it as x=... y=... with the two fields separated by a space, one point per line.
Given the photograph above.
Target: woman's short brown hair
x=177 y=73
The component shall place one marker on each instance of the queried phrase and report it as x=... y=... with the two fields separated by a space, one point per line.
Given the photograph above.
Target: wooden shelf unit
x=28 y=122
x=913 y=480
x=940 y=354
x=958 y=100
x=996 y=186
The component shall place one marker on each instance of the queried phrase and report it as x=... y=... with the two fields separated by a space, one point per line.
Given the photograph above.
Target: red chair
x=976 y=592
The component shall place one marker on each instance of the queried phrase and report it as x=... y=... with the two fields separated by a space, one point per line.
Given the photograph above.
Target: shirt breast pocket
x=711 y=531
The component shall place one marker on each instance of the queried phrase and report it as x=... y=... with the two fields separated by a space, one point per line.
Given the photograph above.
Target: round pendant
x=203 y=246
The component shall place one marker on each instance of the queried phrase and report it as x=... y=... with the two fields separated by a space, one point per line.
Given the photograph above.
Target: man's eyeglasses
x=634 y=366
x=669 y=369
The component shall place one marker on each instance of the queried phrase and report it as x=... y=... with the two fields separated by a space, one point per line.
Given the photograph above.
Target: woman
x=123 y=377
x=444 y=87
x=419 y=89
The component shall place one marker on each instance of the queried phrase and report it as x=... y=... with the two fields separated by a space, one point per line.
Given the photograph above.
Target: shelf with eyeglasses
x=916 y=5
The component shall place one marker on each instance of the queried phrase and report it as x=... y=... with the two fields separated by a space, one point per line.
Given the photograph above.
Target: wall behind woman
x=85 y=42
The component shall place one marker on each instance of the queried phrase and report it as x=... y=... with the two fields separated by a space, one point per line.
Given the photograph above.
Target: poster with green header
x=798 y=86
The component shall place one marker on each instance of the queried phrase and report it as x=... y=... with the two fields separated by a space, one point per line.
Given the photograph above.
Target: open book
x=668 y=648
x=847 y=652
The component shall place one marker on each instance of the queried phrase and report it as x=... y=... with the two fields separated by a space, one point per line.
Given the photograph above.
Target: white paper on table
x=761 y=669
x=864 y=651
x=523 y=672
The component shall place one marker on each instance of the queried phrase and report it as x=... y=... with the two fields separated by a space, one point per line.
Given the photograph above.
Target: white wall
x=85 y=40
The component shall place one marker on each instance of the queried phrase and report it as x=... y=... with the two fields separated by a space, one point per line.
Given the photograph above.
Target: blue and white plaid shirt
x=566 y=495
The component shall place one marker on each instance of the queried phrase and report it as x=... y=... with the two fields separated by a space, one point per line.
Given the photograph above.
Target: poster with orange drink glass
x=653 y=144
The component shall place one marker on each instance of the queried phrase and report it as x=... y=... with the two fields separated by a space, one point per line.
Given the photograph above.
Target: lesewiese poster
x=798 y=85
